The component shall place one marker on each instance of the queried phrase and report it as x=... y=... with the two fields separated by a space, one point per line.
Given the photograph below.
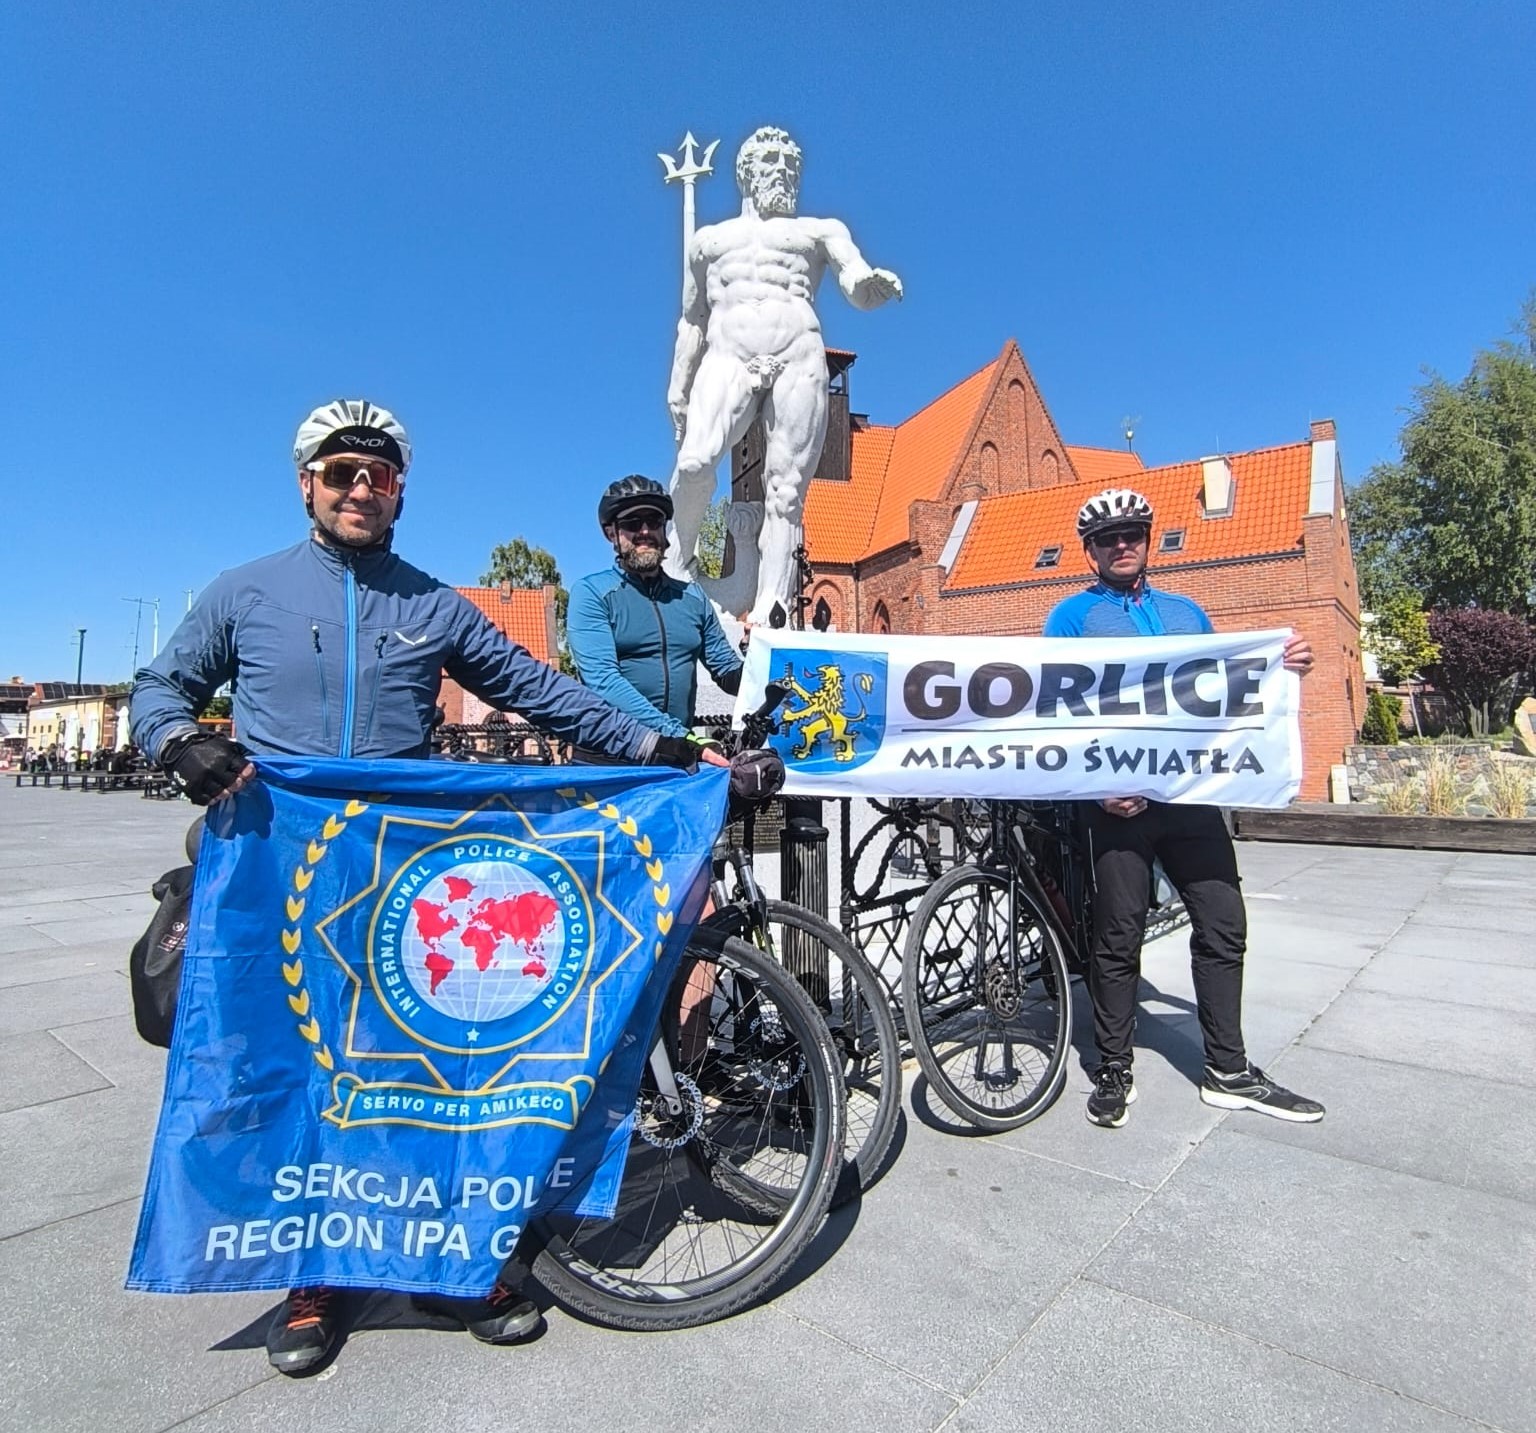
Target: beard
x=774 y=195
x=642 y=559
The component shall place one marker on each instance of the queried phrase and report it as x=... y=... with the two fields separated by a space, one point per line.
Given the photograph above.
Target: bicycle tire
x=853 y=1001
x=968 y=990
x=614 y=1270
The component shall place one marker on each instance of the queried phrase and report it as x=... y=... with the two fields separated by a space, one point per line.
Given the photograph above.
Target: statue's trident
x=690 y=170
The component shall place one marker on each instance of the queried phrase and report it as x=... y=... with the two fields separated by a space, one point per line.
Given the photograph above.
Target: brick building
x=962 y=520
x=527 y=616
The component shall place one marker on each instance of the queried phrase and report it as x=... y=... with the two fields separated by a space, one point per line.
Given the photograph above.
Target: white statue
x=749 y=342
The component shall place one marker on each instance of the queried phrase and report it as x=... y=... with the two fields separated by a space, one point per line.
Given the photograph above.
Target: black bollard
x=803 y=868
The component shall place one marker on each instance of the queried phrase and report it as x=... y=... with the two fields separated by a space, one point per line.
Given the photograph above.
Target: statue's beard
x=774 y=196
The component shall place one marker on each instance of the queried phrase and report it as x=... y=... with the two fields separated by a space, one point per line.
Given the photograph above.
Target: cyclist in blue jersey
x=1129 y=833
x=336 y=647
x=638 y=635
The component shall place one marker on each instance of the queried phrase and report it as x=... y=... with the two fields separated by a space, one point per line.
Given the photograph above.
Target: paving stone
x=1470 y=981
x=55 y=1003
x=113 y=1046
x=759 y=1371
x=58 y=962
x=1438 y=1125
x=1408 y=1283
x=1466 y=1039
x=81 y=1355
x=1475 y=918
x=970 y=1225
x=1444 y=943
x=1100 y=1360
x=36 y=1068
x=74 y=1155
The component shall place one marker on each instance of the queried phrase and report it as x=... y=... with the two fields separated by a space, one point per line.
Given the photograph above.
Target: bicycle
x=832 y=971
x=986 y=991
x=735 y=1151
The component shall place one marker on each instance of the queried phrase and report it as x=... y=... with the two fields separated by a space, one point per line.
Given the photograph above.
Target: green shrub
x=1381 y=714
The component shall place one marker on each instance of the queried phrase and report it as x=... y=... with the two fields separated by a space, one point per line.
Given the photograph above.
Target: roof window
x=1172 y=541
x=1049 y=556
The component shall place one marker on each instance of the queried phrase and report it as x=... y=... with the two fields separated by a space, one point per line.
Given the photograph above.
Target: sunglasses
x=1130 y=536
x=342 y=474
x=642 y=522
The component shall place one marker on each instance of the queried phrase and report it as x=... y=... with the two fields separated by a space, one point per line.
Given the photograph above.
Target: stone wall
x=1373 y=769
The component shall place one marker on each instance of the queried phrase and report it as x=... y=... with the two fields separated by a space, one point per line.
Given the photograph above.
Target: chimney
x=1323 y=430
x=1217 y=490
x=506 y=591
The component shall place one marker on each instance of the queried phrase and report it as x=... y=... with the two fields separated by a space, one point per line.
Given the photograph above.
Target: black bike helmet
x=632 y=492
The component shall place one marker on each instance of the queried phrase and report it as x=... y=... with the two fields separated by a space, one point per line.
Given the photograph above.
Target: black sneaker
x=1114 y=1088
x=302 y=1331
x=502 y=1316
x=1252 y=1089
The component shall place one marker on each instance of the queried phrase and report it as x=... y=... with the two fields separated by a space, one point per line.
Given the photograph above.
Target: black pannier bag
x=154 y=966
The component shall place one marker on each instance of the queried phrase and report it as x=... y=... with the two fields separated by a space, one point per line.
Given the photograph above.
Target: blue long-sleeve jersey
x=637 y=643
x=1105 y=611
x=340 y=652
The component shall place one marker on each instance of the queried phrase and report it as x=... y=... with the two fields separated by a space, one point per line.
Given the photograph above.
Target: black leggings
x=1196 y=852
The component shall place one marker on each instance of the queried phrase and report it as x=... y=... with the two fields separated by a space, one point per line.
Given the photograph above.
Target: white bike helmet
x=352 y=425
x=1112 y=508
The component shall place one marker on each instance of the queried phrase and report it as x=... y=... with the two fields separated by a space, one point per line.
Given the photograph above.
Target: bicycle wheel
x=987 y=1000
x=716 y=1201
x=843 y=985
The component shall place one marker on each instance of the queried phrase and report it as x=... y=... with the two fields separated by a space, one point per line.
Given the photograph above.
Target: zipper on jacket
x=325 y=705
x=378 y=681
x=666 y=670
x=349 y=688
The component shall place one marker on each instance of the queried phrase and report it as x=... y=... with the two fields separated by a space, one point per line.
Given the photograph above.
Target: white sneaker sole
x=1130 y=1099
x=1223 y=1101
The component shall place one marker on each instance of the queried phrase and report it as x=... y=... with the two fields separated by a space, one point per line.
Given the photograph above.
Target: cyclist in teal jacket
x=638 y=635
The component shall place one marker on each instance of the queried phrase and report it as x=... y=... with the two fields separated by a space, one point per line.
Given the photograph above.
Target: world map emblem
x=477 y=943
x=481 y=939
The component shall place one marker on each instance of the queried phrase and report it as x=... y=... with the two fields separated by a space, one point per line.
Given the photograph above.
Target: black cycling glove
x=204 y=764
x=680 y=751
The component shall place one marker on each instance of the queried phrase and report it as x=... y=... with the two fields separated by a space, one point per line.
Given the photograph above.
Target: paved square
x=1191 y=1271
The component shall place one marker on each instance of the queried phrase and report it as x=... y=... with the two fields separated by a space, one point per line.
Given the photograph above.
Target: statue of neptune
x=749 y=342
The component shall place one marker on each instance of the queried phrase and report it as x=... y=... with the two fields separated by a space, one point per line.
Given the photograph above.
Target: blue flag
x=416 y=1003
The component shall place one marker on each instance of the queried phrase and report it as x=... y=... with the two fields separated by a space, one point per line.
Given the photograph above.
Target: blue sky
x=1226 y=219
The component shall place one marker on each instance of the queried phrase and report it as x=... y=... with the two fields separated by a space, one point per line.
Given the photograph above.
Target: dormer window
x=1172 y=541
x=1049 y=556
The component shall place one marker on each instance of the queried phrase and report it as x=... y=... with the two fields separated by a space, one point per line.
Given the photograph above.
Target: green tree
x=1380 y=725
x=1398 y=637
x=521 y=565
x=1454 y=520
x=711 y=548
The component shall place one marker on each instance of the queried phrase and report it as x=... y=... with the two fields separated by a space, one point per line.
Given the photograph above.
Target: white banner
x=1209 y=719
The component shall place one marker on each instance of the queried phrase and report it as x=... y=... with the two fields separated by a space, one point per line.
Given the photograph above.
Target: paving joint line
x=84 y=1059
x=1243 y=1133
x=1294 y=1353
x=868 y=1353
x=70 y=1218
x=219 y=1403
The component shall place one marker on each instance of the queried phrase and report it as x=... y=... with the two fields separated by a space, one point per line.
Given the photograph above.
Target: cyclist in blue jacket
x=1128 y=833
x=336 y=647
x=637 y=634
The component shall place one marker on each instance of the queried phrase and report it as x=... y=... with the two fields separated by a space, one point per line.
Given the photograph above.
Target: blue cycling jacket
x=340 y=652
x=1105 y=611
x=638 y=644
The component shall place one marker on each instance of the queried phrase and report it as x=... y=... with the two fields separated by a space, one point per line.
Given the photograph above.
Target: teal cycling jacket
x=638 y=644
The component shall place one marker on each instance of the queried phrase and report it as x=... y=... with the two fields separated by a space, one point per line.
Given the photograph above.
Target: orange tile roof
x=1103 y=465
x=1269 y=504
x=838 y=515
x=522 y=613
x=892 y=468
